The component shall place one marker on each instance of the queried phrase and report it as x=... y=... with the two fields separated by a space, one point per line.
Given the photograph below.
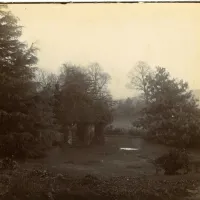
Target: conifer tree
x=17 y=88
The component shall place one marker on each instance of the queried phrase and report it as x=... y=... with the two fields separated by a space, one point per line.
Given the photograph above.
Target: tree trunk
x=66 y=133
x=99 y=134
x=82 y=132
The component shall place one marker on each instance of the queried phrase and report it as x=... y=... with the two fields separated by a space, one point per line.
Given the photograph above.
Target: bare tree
x=99 y=80
x=45 y=80
x=137 y=77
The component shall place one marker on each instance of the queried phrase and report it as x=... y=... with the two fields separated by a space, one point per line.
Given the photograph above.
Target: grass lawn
x=106 y=160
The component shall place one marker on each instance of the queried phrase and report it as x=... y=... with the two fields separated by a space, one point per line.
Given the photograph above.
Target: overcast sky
x=116 y=36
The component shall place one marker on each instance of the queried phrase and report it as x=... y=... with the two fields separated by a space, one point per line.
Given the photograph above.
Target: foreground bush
x=8 y=164
x=173 y=161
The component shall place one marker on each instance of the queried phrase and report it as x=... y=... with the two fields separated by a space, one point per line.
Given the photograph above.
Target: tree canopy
x=84 y=96
x=172 y=115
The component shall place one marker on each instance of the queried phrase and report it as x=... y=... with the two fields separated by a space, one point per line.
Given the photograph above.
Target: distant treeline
x=128 y=108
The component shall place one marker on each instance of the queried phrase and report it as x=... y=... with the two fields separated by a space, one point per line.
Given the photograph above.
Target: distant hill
x=124 y=106
x=197 y=93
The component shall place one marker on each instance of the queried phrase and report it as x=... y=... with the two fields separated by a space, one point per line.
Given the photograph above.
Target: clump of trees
x=84 y=100
x=171 y=114
x=37 y=107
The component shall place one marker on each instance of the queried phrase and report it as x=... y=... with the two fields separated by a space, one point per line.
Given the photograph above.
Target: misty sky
x=116 y=36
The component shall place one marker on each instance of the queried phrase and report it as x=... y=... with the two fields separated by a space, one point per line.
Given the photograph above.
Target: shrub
x=16 y=145
x=173 y=161
x=8 y=164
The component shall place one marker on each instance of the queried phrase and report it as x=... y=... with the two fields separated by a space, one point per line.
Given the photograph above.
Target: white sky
x=116 y=36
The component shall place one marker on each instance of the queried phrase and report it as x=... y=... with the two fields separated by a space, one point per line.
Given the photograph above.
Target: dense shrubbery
x=8 y=164
x=42 y=184
x=173 y=161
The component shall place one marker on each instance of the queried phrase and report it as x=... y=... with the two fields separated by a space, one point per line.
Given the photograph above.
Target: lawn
x=108 y=160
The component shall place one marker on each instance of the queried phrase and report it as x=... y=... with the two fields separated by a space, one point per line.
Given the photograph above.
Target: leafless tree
x=99 y=80
x=45 y=79
x=137 y=78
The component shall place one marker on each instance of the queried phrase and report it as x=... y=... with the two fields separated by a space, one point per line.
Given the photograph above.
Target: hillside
x=197 y=93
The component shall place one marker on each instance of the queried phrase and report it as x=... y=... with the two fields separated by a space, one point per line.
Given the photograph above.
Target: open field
x=106 y=160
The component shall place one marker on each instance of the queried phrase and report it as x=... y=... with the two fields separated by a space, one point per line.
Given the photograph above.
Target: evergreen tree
x=17 y=88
